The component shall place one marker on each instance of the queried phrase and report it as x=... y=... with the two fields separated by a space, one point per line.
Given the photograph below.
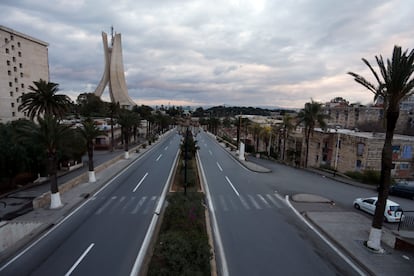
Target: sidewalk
x=347 y=230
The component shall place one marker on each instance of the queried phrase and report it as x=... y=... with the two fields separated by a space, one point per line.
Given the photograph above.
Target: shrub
x=366 y=176
x=182 y=247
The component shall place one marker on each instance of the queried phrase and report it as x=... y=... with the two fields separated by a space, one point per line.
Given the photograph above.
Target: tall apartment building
x=23 y=59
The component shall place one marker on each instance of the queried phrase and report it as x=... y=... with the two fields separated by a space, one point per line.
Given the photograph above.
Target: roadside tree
x=311 y=116
x=89 y=131
x=394 y=83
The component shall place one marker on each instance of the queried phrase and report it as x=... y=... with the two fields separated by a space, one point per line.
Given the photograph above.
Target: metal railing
x=407 y=221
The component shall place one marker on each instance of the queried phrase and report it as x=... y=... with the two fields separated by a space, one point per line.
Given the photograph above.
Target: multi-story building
x=23 y=59
x=347 y=150
x=351 y=116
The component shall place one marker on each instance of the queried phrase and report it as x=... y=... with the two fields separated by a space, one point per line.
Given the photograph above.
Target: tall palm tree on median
x=43 y=101
x=311 y=116
x=395 y=83
x=89 y=131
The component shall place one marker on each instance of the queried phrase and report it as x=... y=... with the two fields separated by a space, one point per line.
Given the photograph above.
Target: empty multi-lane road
x=256 y=233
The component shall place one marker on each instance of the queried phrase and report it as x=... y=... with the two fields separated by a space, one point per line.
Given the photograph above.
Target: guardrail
x=407 y=223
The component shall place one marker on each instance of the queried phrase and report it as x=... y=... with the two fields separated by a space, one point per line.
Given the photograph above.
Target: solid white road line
x=140 y=182
x=209 y=151
x=231 y=184
x=220 y=168
x=331 y=245
x=220 y=248
x=79 y=260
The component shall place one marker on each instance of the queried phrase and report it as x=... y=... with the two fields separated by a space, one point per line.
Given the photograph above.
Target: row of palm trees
x=394 y=82
x=46 y=109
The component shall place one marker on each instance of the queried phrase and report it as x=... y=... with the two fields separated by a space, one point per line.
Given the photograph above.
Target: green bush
x=182 y=247
x=366 y=176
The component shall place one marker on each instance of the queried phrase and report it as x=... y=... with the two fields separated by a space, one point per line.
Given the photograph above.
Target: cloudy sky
x=208 y=52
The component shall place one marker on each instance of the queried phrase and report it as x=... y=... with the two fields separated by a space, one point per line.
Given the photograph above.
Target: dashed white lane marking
x=273 y=201
x=166 y=148
x=130 y=201
x=140 y=182
x=255 y=204
x=149 y=204
x=223 y=203
x=79 y=260
x=218 y=165
x=100 y=210
x=231 y=184
x=262 y=199
x=158 y=158
x=244 y=203
x=209 y=151
x=140 y=203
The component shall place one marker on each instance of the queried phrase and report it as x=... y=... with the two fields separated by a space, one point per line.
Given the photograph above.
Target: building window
x=9 y=73
x=404 y=166
x=7 y=50
x=358 y=164
x=14 y=59
x=11 y=93
x=13 y=114
x=12 y=104
x=21 y=74
x=17 y=89
x=20 y=65
x=6 y=40
x=15 y=69
x=360 y=149
x=18 y=44
x=22 y=85
x=10 y=84
x=12 y=47
x=8 y=62
x=20 y=54
x=15 y=80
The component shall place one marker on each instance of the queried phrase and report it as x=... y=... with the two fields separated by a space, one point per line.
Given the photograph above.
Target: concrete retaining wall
x=44 y=200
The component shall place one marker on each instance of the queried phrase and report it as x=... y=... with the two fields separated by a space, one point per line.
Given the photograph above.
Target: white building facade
x=23 y=59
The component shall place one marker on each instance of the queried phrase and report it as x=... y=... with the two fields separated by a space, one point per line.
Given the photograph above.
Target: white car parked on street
x=392 y=213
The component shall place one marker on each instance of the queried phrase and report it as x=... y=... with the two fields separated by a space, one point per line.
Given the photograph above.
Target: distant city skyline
x=209 y=53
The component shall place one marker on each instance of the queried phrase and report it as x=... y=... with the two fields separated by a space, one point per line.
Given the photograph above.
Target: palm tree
x=256 y=129
x=127 y=119
x=113 y=109
x=49 y=134
x=394 y=84
x=44 y=100
x=287 y=127
x=89 y=131
x=311 y=116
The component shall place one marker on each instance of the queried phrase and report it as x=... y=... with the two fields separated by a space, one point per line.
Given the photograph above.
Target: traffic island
x=183 y=245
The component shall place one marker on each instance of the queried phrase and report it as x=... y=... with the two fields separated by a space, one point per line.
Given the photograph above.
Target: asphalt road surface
x=104 y=236
x=260 y=235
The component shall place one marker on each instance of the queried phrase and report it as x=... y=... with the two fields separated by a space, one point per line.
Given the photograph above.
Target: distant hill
x=230 y=111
